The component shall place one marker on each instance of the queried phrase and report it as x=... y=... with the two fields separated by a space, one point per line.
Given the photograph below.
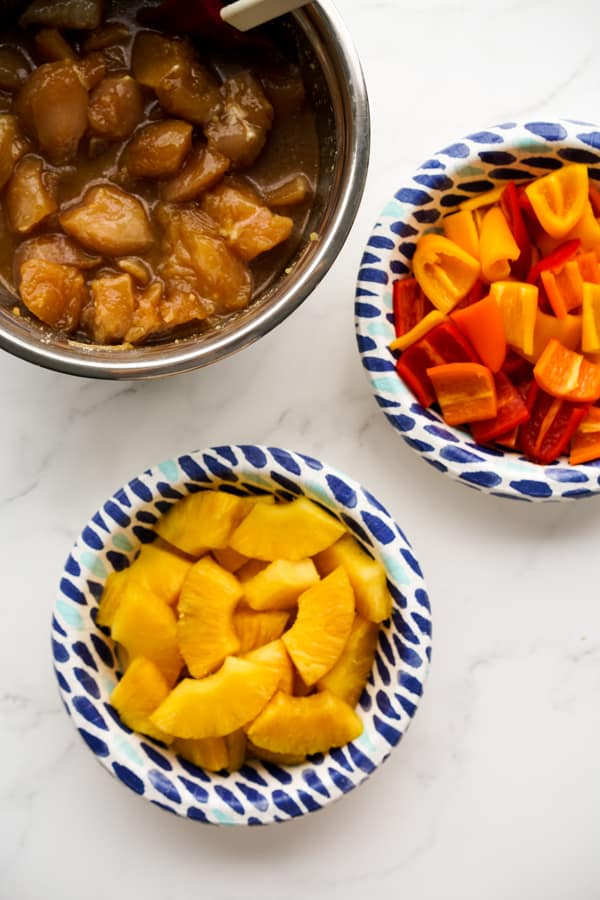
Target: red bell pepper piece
x=443 y=344
x=509 y=203
x=410 y=305
x=555 y=260
x=474 y=296
x=594 y=197
x=516 y=368
x=511 y=412
x=551 y=425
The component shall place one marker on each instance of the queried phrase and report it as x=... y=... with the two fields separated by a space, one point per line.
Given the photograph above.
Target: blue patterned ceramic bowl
x=474 y=164
x=87 y=670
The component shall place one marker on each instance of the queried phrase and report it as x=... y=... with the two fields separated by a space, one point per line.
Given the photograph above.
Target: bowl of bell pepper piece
x=478 y=310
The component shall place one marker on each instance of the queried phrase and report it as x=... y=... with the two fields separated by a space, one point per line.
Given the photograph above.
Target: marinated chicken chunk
x=116 y=107
x=54 y=293
x=8 y=127
x=110 y=314
x=51 y=46
x=53 y=107
x=158 y=150
x=75 y=14
x=56 y=248
x=109 y=221
x=147 y=318
x=30 y=195
x=240 y=130
x=202 y=170
x=106 y=36
x=248 y=226
x=189 y=91
x=154 y=55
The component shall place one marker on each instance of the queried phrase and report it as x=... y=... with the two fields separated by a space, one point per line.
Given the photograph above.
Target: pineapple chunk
x=254 y=629
x=367 y=577
x=146 y=626
x=276 y=657
x=250 y=569
x=214 y=754
x=279 y=585
x=300 y=725
x=141 y=689
x=348 y=677
x=218 y=704
x=112 y=594
x=325 y=615
x=205 y=629
x=229 y=559
x=203 y=521
x=290 y=531
x=280 y=759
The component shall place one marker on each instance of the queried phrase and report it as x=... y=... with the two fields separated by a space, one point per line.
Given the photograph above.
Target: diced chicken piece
x=116 y=107
x=289 y=193
x=91 y=70
x=115 y=59
x=189 y=91
x=158 y=150
x=30 y=195
x=75 y=14
x=52 y=47
x=54 y=293
x=109 y=221
x=56 y=248
x=14 y=68
x=106 y=36
x=147 y=318
x=154 y=55
x=203 y=169
x=239 y=132
x=110 y=314
x=53 y=106
x=246 y=224
x=197 y=261
x=135 y=267
x=181 y=307
x=8 y=129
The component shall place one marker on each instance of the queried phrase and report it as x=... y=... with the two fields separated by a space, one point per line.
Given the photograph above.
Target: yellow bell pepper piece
x=567 y=331
x=518 y=304
x=590 y=328
x=497 y=246
x=433 y=318
x=587 y=229
x=460 y=227
x=445 y=272
x=559 y=199
x=485 y=199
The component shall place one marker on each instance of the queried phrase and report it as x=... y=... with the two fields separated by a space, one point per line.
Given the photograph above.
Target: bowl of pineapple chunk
x=241 y=634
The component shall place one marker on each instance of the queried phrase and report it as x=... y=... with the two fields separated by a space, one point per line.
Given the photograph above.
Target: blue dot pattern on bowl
x=479 y=162
x=87 y=669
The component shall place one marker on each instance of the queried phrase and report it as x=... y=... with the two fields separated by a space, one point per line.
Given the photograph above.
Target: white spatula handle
x=246 y=14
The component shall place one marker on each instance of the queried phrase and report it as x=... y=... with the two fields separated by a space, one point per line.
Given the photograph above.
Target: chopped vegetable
x=567 y=375
x=585 y=444
x=551 y=425
x=497 y=246
x=443 y=344
x=483 y=324
x=518 y=304
x=465 y=391
x=511 y=411
x=558 y=199
x=445 y=272
x=590 y=321
x=433 y=318
x=410 y=305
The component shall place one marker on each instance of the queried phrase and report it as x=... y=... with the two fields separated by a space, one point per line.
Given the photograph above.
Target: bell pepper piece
x=487 y=198
x=511 y=412
x=551 y=424
x=588 y=267
x=594 y=198
x=460 y=227
x=585 y=443
x=518 y=303
x=587 y=228
x=465 y=392
x=444 y=270
x=483 y=324
x=554 y=261
x=509 y=203
x=564 y=289
x=433 y=318
x=567 y=375
x=590 y=322
x=566 y=330
x=497 y=246
x=517 y=368
x=477 y=292
x=410 y=305
x=443 y=344
x=558 y=199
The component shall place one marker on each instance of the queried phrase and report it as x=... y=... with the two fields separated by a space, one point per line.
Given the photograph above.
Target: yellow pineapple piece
x=230 y=559
x=141 y=689
x=367 y=577
x=218 y=704
x=280 y=583
x=214 y=754
x=276 y=657
x=250 y=569
x=300 y=725
x=325 y=615
x=156 y=568
x=349 y=675
x=205 y=630
x=146 y=626
x=203 y=521
x=299 y=688
x=280 y=759
x=257 y=628
x=292 y=530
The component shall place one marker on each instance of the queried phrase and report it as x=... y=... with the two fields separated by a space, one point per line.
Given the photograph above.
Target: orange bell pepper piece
x=445 y=272
x=518 y=304
x=482 y=323
x=559 y=198
x=587 y=228
x=590 y=318
x=567 y=331
x=461 y=228
x=465 y=392
x=585 y=443
x=567 y=375
x=433 y=318
x=497 y=246
x=564 y=289
x=588 y=266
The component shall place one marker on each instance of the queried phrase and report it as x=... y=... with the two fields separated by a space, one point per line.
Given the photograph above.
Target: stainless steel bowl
x=339 y=92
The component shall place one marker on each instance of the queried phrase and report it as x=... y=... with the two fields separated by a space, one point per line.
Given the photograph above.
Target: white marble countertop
x=494 y=791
